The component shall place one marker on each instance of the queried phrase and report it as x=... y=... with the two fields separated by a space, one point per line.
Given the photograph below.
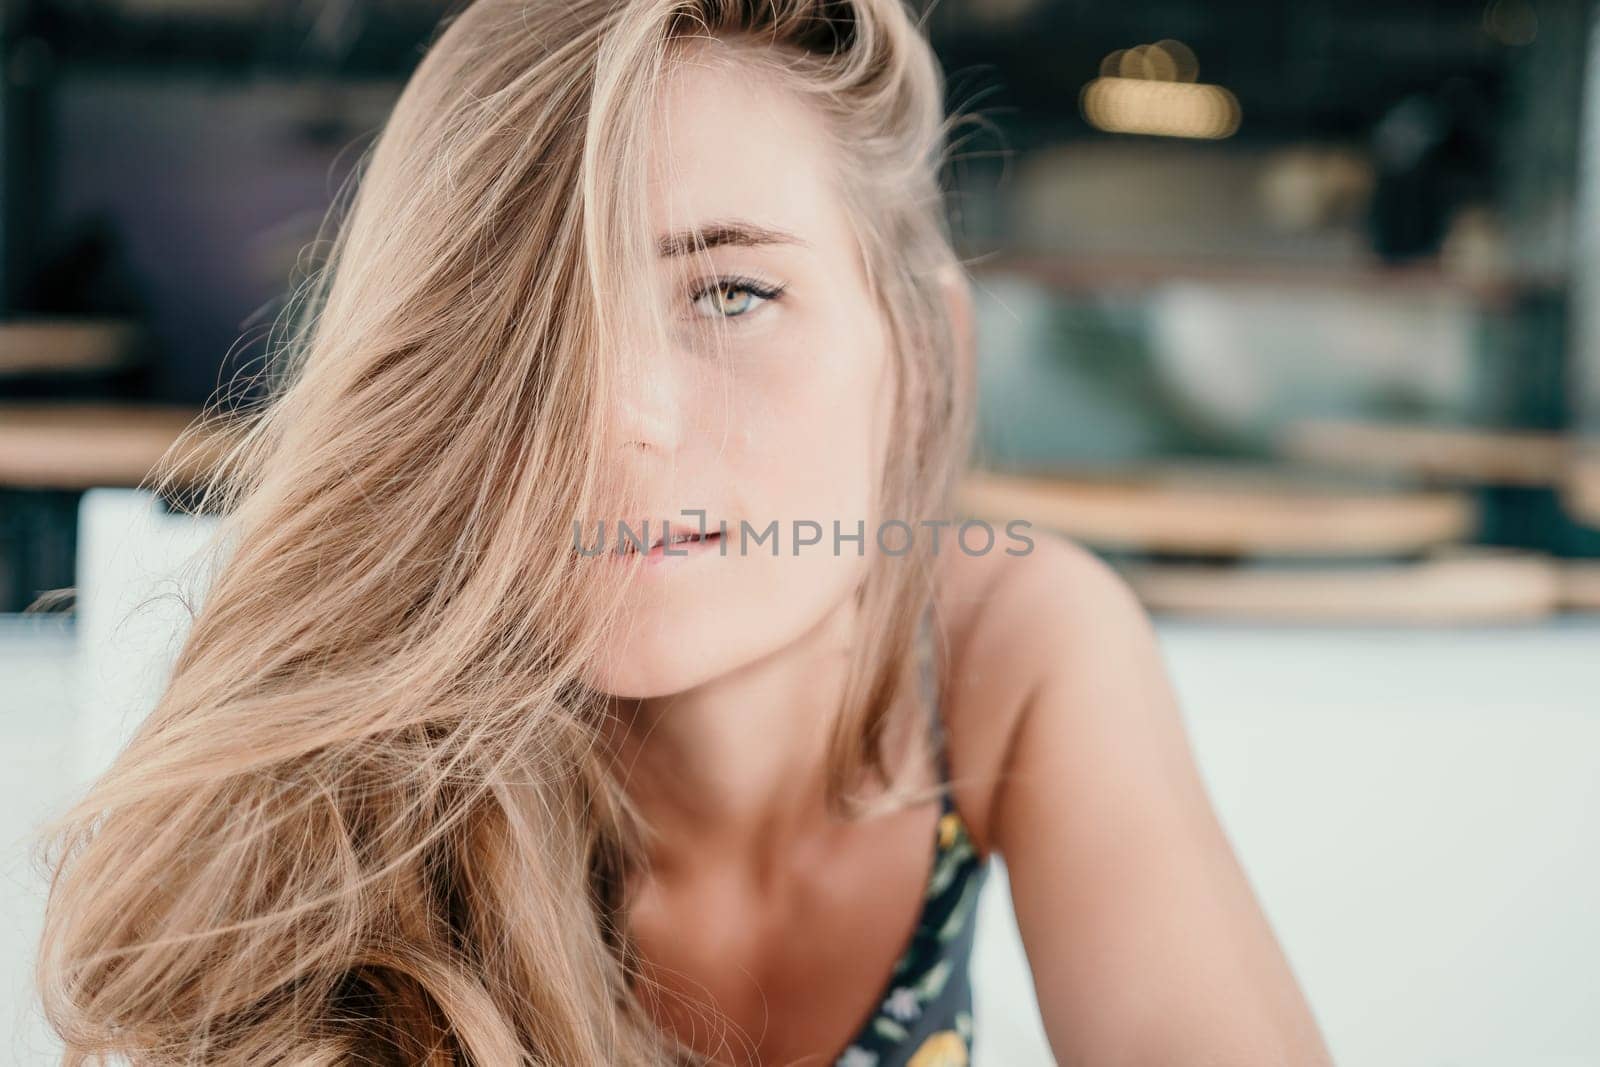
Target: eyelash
x=737 y=282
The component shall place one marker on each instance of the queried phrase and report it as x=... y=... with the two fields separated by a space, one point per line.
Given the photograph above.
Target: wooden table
x=1222 y=512
x=77 y=445
x=1448 y=587
x=66 y=345
x=1581 y=492
x=1246 y=543
x=1459 y=454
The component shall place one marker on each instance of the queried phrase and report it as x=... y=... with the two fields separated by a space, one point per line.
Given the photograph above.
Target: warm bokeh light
x=1160 y=108
x=1151 y=89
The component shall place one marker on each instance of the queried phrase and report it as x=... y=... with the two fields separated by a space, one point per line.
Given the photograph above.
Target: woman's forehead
x=730 y=143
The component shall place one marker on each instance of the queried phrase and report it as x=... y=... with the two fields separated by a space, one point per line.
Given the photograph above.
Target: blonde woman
x=436 y=782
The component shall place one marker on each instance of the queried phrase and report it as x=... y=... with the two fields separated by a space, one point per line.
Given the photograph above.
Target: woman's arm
x=1145 y=940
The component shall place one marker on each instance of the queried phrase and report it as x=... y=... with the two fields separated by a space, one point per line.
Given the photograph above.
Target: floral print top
x=924 y=1015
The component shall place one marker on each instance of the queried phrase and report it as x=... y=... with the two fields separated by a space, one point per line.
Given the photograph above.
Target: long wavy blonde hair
x=369 y=818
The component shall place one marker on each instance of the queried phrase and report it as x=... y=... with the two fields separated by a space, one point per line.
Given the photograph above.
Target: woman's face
x=788 y=426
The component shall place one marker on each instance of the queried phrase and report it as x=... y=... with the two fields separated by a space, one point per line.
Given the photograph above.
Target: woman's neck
x=736 y=766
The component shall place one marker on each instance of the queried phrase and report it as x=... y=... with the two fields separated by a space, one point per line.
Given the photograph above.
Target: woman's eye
x=731 y=298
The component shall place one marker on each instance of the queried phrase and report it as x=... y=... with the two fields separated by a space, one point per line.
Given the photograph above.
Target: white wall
x=1419 y=812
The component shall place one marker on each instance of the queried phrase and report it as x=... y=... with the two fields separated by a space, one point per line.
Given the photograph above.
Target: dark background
x=1407 y=172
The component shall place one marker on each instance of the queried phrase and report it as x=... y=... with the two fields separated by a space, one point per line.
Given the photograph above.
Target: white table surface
x=1418 y=810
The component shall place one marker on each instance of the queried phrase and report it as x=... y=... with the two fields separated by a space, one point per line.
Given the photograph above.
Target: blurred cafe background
x=1291 y=311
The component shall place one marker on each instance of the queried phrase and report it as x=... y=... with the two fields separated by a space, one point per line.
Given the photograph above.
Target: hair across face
x=829 y=403
x=770 y=405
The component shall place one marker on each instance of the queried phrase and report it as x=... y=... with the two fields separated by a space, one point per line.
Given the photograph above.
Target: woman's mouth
x=674 y=545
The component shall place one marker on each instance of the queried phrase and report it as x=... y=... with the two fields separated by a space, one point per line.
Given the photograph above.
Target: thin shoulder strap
x=931 y=700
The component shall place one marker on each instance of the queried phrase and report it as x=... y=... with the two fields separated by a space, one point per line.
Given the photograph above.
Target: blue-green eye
x=732 y=297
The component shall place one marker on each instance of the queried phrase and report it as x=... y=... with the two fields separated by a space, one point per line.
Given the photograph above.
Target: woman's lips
x=657 y=554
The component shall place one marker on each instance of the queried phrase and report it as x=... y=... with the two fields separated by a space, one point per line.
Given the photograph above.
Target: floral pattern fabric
x=924 y=1016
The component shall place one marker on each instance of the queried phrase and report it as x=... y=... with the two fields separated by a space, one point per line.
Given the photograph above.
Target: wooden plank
x=65 y=345
x=79 y=446
x=1581 y=492
x=1481 y=457
x=1455 y=586
x=1580 y=585
x=1191 y=514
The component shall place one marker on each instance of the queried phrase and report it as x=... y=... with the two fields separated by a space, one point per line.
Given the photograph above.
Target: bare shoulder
x=1006 y=622
x=1142 y=933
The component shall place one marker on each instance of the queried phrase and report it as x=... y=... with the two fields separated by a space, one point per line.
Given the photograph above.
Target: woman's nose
x=649 y=407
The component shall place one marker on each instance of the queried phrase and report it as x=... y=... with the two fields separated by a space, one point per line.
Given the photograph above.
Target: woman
x=442 y=777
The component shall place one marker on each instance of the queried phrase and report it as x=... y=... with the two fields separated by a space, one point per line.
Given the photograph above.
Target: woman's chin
x=645 y=669
x=671 y=645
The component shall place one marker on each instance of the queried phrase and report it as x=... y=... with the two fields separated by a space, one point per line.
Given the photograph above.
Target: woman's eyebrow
x=723 y=232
